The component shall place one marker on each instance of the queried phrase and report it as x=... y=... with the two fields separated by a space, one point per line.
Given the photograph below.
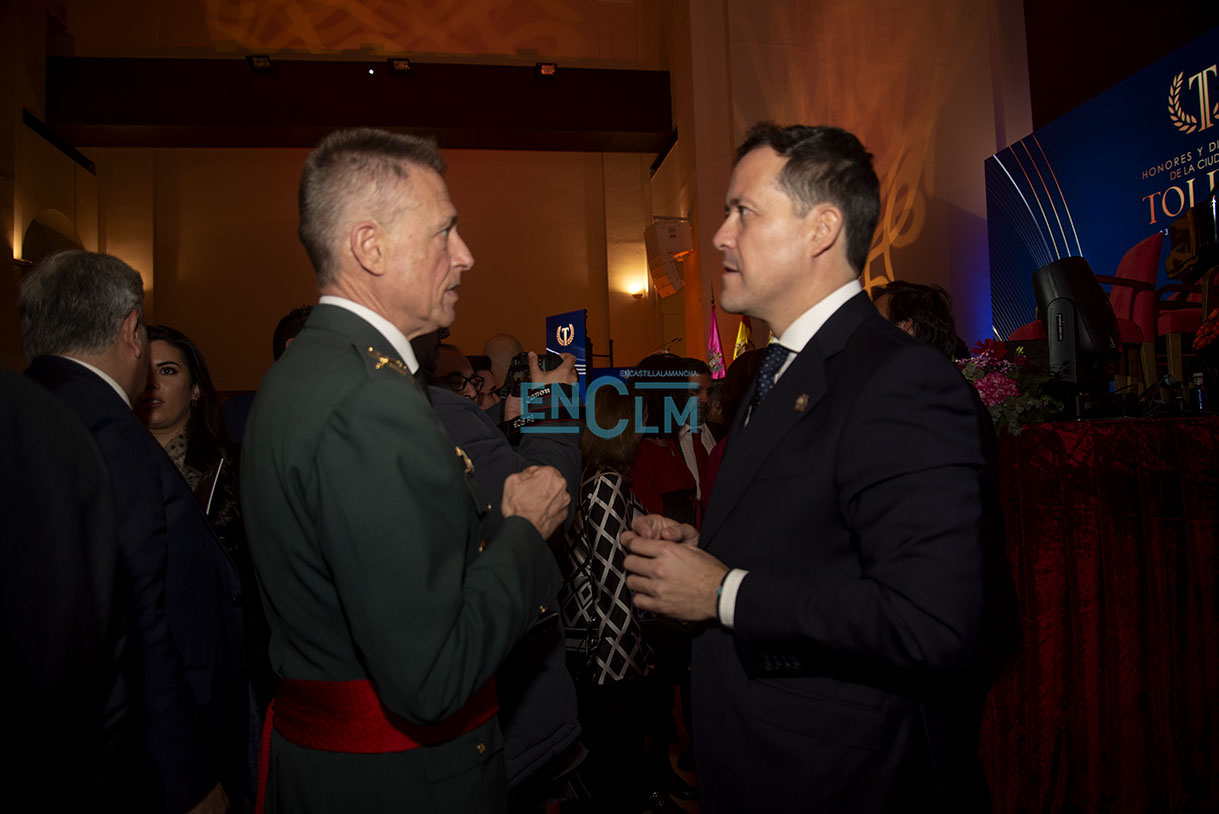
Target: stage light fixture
x=399 y=64
x=547 y=68
x=259 y=63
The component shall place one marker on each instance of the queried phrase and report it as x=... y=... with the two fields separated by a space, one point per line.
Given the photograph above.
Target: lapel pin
x=801 y=402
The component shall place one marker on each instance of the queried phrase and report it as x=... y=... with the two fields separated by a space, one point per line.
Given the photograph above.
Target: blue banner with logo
x=566 y=333
x=1098 y=180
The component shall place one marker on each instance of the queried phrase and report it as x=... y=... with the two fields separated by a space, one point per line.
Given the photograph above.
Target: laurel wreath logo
x=1185 y=122
x=565 y=334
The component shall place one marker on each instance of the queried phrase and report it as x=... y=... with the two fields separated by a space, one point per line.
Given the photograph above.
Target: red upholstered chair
x=1135 y=303
x=1179 y=317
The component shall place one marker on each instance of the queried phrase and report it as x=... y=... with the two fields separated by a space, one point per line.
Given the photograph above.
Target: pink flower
x=995 y=388
x=991 y=348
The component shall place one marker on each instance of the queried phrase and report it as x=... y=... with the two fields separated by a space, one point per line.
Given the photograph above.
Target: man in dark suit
x=842 y=554
x=63 y=625
x=390 y=608
x=82 y=323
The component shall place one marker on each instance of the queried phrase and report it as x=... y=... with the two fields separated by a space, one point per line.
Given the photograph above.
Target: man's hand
x=538 y=494
x=672 y=576
x=659 y=527
x=216 y=802
x=563 y=374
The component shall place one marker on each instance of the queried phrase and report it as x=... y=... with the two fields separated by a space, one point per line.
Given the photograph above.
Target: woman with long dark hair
x=181 y=410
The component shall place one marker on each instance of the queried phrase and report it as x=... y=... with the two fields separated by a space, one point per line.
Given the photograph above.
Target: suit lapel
x=794 y=398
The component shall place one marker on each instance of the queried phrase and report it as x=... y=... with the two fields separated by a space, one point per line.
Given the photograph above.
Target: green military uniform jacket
x=365 y=529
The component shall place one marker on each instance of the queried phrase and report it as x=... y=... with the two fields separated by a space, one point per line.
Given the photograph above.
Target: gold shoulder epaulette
x=388 y=361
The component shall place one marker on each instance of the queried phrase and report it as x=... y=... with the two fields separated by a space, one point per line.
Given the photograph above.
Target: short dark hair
x=288 y=327
x=825 y=164
x=618 y=451
x=929 y=309
x=666 y=368
x=699 y=367
x=351 y=165
x=207 y=433
x=76 y=301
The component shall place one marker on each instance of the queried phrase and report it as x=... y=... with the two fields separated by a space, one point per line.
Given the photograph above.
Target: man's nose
x=723 y=235
x=462 y=257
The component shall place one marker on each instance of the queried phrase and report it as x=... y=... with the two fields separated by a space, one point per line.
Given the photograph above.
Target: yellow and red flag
x=744 y=338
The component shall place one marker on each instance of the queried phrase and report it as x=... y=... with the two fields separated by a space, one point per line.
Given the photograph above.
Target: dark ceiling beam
x=117 y=102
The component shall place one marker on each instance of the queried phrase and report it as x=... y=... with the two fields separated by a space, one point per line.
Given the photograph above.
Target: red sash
x=347 y=716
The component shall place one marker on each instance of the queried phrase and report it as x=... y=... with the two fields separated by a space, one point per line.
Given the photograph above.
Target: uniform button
x=482 y=546
x=482 y=748
x=542 y=610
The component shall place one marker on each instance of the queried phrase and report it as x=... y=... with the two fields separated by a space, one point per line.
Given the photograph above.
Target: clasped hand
x=538 y=494
x=669 y=573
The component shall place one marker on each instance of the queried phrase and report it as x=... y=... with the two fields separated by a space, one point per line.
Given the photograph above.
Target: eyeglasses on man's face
x=458 y=382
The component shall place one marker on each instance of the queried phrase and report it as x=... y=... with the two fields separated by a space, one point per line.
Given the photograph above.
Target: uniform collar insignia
x=396 y=365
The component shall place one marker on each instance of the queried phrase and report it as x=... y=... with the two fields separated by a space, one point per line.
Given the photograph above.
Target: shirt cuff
x=727 y=599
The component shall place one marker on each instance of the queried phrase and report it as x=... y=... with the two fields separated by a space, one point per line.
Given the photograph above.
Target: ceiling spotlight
x=399 y=64
x=259 y=63
x=547 y=68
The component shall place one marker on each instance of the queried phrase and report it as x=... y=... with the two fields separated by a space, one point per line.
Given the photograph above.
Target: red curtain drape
x=1112 y=702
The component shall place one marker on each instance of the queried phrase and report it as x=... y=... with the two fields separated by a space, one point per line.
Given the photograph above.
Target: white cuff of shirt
x=727 y=598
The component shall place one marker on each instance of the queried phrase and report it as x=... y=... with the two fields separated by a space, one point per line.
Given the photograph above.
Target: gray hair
x=76 y=301
x=350 y=167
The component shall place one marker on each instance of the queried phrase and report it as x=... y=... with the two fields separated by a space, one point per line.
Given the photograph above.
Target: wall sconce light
x=546 y=68
x=259 y=63
x=640 y=291
x=400 y=65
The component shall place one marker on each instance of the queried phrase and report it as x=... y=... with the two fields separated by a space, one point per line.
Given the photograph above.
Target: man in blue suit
x=842 y=562
x=82 y=322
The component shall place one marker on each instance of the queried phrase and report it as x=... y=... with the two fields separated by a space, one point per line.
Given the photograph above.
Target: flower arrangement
x=1009 y=387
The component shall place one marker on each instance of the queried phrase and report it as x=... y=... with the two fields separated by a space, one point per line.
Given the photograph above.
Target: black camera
x=518 y=371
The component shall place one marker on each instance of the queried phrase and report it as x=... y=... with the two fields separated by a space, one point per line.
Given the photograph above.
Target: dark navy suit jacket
x=184 y=595
x=855 y=672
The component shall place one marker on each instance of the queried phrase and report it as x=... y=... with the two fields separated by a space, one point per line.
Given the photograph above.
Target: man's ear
x=367 y=241
x=133 y=335
x=824 y=228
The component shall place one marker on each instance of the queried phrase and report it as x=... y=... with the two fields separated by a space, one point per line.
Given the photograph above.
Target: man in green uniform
x=389 y=610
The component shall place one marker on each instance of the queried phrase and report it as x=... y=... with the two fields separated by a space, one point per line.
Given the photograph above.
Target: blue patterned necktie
x=775 y=356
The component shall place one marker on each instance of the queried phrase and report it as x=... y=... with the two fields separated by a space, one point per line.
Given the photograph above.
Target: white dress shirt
x=390 y=331
x=105 y=377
